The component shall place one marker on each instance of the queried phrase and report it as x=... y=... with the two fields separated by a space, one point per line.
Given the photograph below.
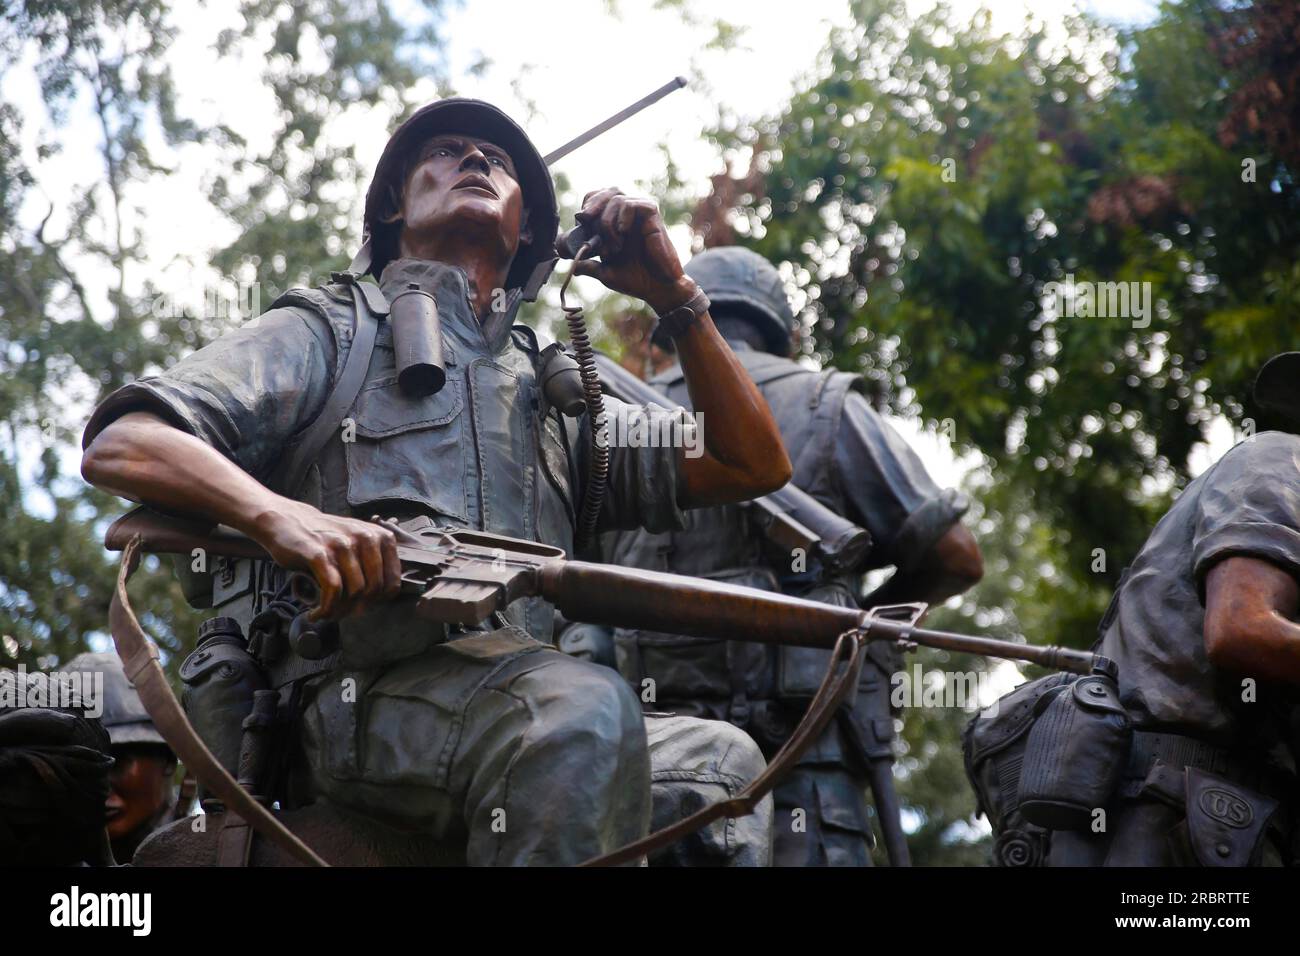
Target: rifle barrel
x=651 y=600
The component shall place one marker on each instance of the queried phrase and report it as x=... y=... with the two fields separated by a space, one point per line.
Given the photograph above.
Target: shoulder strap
x=825 y=405
x=764 y=368
x=292 y=470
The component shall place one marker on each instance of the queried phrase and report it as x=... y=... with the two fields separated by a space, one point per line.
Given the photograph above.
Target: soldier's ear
x=395 y=204
x=525 y=231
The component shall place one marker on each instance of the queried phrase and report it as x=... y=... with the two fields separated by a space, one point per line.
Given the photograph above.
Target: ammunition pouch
x=1226 y=822
x=1075 y=753
x=726 y=678
x=1230 y=805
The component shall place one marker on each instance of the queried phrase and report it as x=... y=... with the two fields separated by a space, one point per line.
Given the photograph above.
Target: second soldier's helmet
x=124 y=716
x=750 y=287
x=1277 y=391
x=473 y=117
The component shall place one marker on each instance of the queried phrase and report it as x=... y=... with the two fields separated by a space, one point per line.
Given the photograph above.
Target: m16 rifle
x=465 y=577
x=462 y=577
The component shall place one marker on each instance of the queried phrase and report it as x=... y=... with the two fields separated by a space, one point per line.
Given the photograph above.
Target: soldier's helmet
x=750 y=287
x=124 y=716
x=475 y=118
x=1277 y=391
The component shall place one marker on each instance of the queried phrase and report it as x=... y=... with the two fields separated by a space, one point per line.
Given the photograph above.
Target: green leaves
x=934 y=179
x=66 y=340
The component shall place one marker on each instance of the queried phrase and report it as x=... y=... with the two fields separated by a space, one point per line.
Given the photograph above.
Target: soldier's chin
x=472 y=206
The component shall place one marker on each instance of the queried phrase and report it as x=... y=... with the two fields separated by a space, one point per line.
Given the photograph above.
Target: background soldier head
x=748 y=300
x=141 y=793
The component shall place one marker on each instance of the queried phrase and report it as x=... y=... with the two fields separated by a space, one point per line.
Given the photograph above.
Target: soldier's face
x=140 y=785
x=460 y=183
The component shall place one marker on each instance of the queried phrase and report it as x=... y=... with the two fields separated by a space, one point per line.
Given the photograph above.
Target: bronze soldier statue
x=848 y=458
x=1182 y=751
x=483 y=738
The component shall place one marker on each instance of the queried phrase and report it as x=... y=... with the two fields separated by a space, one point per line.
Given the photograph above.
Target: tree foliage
x=932 y=178
x=76 y=318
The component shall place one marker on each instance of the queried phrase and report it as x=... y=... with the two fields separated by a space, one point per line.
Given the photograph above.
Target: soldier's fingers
x=392 y=564
x=590 y=267
x=609 y=220
x=330 y=583
x=595 y=200
x=354 y=576
x=627 y=216
x=372 y=563
x=644 y=209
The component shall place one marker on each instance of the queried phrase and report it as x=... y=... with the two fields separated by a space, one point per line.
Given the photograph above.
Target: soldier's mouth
x=476 y=182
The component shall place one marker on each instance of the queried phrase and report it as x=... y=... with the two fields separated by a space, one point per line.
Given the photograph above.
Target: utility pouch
x=1076 y=752
x=800 y=670
x=685 y=668
x=993 y=745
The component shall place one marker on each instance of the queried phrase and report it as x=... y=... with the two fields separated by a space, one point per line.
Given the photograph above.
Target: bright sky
x=576 y=69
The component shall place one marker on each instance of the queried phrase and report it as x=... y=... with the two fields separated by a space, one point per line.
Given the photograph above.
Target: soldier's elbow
x=101 y=459
x=782 y=471
x=1231 y=639
x=961 y=556
x=109 y=454
x=771 y=473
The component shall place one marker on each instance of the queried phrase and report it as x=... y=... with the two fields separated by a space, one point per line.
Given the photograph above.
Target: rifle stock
x=168 y=534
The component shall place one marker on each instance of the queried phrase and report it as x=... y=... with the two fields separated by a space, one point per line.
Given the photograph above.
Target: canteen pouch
x=219 y=679
x=1076 y=752
x=993 y=746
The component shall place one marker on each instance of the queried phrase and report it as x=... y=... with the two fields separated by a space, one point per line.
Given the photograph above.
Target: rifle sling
x=834 y=689
x=140 y=658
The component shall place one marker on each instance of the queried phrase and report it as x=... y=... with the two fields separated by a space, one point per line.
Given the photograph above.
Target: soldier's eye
x=497 y=161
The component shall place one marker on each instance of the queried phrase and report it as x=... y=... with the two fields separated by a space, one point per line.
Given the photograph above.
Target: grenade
x=221 y=678
x=1076 y=752
x=417 y=343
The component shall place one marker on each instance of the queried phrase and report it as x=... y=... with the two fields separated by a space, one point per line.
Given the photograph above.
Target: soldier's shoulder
x=1255 y=450
x=329 y=305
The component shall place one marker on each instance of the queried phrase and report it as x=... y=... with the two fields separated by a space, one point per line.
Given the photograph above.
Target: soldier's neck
x=483 y=274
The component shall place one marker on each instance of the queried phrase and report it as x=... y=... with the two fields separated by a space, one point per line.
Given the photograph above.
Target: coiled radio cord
x=598 y=463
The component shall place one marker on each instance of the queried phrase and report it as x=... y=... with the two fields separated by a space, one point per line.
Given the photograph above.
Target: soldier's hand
x=354 y=562
x=636 y=257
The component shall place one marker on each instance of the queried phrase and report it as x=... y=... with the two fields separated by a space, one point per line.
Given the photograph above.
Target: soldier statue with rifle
x=338 y=405
x=1182 y=748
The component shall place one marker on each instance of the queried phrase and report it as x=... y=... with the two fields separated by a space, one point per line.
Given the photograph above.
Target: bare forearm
x=745 y=456
x=723 y=393
x=143 y=458
x=953 y=565
x=1250 y=606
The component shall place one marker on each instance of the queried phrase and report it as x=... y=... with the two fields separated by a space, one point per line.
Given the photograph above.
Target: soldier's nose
x=475 y=159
